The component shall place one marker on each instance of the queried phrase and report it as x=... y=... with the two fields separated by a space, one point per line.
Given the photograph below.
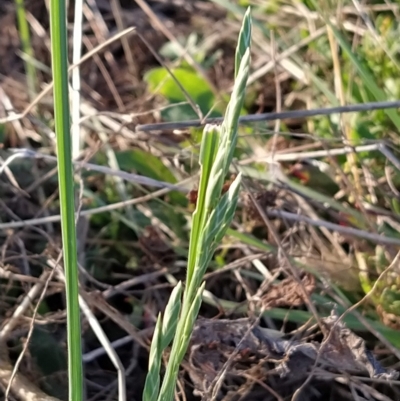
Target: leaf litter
x=246 y=345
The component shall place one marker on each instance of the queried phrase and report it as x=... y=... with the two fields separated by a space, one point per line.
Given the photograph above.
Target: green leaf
x=233 y=111
x=222 y=215
x=152 y=384
x=179 y=112
x=171 y=316
x=390 y=300
x=244 y=40
x=189 y=323
x=145 y=164
x=207 y=156
x=160 y=82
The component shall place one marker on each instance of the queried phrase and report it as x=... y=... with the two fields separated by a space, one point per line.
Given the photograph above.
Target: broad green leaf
x=145 y=164
x=159 y=81
x=179 y=112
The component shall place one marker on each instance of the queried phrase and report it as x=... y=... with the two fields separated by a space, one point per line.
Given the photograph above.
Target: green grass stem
x=59 y=54
x=26 y=45
x=211 y=219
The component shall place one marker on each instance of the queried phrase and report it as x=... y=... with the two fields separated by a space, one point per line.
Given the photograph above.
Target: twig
x=49 y=87
x=138 y=179
x=101 y=209
x=295 y=156
x=14 y=375
x=380 y=239
x=94 y=354
x=252 y=118
x=22 y=307
x=22 y=388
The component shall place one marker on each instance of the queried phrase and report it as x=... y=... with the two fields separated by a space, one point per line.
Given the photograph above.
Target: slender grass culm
x=58 y=30
x=23 y=29
x=212 y=217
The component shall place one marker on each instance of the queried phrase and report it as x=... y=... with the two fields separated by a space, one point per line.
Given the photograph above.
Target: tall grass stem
x=59 y=56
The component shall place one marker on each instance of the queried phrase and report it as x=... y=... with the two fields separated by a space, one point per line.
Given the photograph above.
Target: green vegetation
x=172 y=224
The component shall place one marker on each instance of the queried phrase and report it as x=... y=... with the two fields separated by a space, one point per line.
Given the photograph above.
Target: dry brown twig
x=21 y=387
x=49 y=87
